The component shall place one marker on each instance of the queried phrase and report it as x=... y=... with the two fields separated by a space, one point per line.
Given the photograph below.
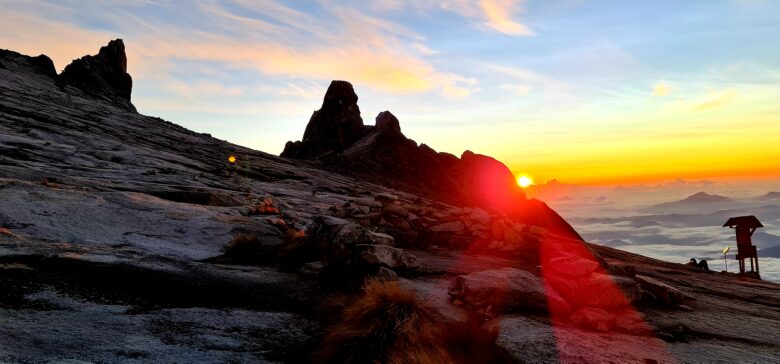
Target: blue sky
x=583 y=91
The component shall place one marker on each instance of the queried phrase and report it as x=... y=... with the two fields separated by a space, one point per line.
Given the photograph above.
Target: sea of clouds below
x=625 y=218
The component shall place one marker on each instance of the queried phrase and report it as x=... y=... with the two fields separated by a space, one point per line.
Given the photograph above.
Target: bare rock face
x=13 y=61
x=597 y=290
x=103 y=75
x=665 y=294
x=332 y=128
x=488 y=181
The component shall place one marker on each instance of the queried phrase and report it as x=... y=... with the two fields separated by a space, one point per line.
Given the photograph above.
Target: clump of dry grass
x=46 y=182
x=264 y=207
x=386 y=324
x=245 y=248
x=6 y=232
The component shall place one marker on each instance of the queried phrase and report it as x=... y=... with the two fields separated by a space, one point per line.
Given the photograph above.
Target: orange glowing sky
x=585 y=92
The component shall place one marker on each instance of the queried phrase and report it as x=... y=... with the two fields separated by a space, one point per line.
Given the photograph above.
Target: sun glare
x=525 y=181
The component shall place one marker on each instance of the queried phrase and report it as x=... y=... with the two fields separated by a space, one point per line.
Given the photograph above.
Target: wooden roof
x=749 y=221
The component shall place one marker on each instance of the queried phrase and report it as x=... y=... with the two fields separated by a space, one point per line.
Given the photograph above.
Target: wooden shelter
x=745 y=226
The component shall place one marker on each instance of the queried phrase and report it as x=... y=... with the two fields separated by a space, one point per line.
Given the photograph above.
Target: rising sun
x=525 y=181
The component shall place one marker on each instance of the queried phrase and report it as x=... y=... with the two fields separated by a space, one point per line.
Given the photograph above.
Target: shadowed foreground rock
x=125 y=237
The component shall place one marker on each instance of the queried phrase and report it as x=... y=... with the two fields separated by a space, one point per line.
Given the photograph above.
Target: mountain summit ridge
x=381 y=153
x=102 y=76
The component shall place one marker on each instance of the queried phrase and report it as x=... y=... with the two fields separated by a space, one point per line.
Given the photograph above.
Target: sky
x=584 y=92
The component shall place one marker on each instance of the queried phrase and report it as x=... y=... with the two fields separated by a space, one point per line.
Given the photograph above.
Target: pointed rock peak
x=333 y=128
x=113 y=55
x=387 y=121
x=340 y=94
x=103 y=76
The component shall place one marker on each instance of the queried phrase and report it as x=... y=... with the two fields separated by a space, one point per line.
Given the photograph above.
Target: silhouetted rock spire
x=333 y=128
x=387 y=121
x=103 y=75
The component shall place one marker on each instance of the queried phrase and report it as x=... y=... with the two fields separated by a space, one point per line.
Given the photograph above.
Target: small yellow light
x=232 y=159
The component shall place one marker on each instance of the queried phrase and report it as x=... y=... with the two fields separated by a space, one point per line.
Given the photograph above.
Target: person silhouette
x=703 y=265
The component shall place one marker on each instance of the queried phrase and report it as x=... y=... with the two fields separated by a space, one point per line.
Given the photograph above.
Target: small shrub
x=245 y=249
x=386 y=324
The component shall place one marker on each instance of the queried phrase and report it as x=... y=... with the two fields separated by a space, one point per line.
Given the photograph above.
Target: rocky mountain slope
x=128 y=238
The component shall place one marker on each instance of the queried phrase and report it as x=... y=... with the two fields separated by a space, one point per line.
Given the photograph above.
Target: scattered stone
x=593 y=318
x=386 y=274
x=386 y=198
x=664 y=293
x=685 y=308
x=386 y=255
x=571 y=265
x=620 y=269
x=480 y=216
x=312 y=268
x=395 y=211
x=353 y=234
x=452 y=227
x=370 y=202
x=508 y=288
x=597 y=290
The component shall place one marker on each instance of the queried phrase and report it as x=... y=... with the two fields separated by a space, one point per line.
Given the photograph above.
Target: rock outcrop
x=103 y=75
x=333 y=128
x=16 y=62
x=382 y=154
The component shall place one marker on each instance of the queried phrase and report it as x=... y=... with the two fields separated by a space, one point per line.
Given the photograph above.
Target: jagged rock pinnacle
x=332 y=128
x=103 y=75
x=387 y=121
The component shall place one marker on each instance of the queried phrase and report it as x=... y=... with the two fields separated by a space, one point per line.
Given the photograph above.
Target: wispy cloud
x=499 y=14
x=490 y=15
x=342 y=44
x=717 y=100
x=520 y=89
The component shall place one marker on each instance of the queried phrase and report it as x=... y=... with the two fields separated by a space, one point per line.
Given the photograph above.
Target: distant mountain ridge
x=703 y=197
x=698 y=199
x=772 y=195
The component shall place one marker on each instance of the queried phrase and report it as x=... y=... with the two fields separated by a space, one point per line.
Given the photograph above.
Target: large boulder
x=593 y=318
x=664 y=294
x=103 y=76
x=596 y=290
x=572 y=265
x=507 y=288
